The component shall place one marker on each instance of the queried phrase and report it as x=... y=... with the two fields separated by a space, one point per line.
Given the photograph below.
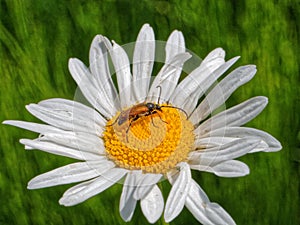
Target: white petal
x=194 y=79
x=210 y=142
x=178 y=193
x=153 y=205
x=217 y=214
x=204 y=211
x=143 y=60
x=167 y=78
x=76 y=110
x=214 y=59
x=146 y=184
x=65 y=120
x=197 y=192
x=224 y=152
x=122 y=69
x=230 y=168
x=235 y=116
x=175 y=45
x=208 y=80
x=83 y=191
x=59 y=150
x=169 y=74
x=241 y=132
x=71 y=173
x=35 y=127
x=80 y=141
x=86 y=82
x=127 y=202
x=221 y=92
x=100 y=70
x=196 y=202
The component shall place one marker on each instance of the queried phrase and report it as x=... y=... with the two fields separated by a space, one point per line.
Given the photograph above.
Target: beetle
x=140 y=110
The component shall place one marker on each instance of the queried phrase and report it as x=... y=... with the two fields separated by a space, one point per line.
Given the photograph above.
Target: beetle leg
x=152 y=118
x=160 y=117
x=131 y=121
x=114 y=121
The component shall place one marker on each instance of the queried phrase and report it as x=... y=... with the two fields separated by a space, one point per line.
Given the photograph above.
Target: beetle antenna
x=159 y=93
x=169 y=106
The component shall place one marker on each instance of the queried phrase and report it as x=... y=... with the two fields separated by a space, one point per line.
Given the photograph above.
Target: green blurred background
x=38 y=37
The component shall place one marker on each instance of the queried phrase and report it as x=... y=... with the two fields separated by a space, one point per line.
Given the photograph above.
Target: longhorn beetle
x=142 y=109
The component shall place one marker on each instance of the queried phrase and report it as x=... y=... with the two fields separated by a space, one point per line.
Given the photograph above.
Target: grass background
x=38 y=37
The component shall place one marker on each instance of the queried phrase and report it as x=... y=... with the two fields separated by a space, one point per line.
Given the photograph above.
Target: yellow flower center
x=152 y=143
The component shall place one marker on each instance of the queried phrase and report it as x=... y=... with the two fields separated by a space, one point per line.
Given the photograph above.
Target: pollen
x=153 y=143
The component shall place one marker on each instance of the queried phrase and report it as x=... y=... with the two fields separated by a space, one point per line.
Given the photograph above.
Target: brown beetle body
x=137 y=111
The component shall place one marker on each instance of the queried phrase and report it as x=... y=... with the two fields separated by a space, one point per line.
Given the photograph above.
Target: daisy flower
x=142 y=131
